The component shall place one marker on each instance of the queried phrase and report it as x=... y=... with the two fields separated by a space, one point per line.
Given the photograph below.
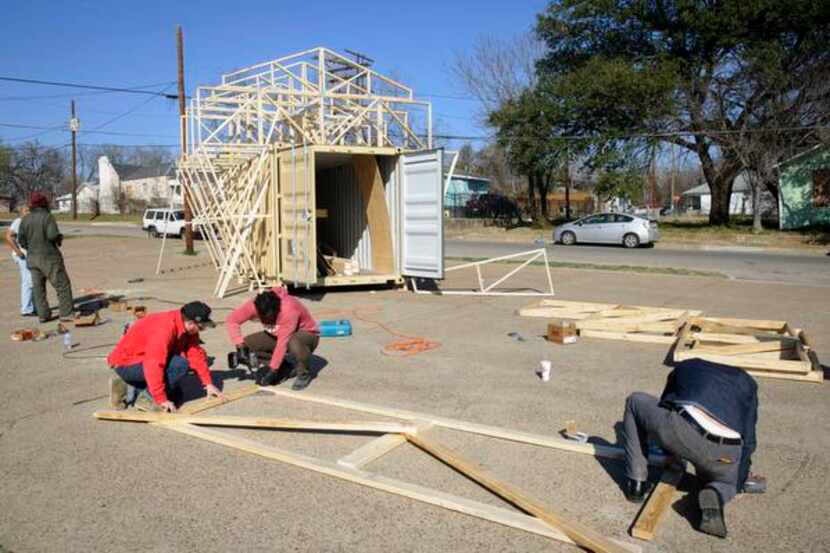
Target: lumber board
x=370 y=183
x=628 y=336
x=645 y=525
x=209 y=403
x=553 y=442
x=254 y=422
x=724 y=338
x=373 y=450
x=741 y=349
x=581 y=534
x=759 y=324
x=748 y=362
x=816 y=377
x=483 y=511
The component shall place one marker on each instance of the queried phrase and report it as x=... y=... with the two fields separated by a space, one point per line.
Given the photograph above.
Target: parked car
x=608 y=228
x=163 y=221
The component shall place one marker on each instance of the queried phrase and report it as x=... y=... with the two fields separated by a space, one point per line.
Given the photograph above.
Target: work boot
x=711 y=512
x=267 y=377
x=635 y=490
x=301 y=382
x=144 y=402
x=118 y=393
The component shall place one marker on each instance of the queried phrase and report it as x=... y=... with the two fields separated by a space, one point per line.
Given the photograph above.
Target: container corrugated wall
x=345 y=229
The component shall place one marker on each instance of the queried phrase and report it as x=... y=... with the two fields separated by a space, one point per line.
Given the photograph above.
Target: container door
x=298 y=228
x=422 y=214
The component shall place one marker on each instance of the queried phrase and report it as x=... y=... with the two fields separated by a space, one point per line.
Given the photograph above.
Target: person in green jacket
x=40 y=237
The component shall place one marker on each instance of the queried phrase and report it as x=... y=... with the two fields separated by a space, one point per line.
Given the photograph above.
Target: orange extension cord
x=404 y=347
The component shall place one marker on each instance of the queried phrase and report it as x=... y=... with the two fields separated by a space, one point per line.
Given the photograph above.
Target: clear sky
x=128 y=44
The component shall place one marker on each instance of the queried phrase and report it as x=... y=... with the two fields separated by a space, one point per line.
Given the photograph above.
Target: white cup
x=544 y=370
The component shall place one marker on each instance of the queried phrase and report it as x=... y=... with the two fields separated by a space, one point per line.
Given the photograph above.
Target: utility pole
x=74 y=125
x=188 y=216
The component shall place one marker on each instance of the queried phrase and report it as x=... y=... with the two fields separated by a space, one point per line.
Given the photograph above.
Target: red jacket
x=152 y=340
x=293 y=316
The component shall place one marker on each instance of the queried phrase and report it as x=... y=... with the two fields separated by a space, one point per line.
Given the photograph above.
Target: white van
x=163 y=221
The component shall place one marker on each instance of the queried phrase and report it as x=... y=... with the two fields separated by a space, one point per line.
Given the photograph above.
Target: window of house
x=821 y=187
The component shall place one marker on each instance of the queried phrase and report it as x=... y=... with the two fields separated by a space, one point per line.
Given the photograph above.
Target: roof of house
x=134 y=172
x=741 y=184
x=468 y=177
x=800 y=155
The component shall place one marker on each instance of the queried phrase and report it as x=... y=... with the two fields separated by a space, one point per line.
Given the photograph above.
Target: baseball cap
x=199 y=313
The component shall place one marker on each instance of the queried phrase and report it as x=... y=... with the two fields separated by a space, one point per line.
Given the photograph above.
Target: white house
x=134 y=187
x=87 y=198
x=699 y=198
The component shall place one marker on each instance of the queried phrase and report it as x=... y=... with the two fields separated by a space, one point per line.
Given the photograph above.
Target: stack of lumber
x=770 y=349
x=636 y=323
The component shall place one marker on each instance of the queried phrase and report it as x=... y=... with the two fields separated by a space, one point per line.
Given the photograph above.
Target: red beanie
x=37 y=199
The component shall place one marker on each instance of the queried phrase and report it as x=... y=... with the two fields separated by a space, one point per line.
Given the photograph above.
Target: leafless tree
x=32 y=166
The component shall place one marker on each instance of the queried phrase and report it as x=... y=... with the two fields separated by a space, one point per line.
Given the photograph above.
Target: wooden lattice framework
x=312 y=98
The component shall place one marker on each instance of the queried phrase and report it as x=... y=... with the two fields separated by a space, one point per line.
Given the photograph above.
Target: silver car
x=608 y=228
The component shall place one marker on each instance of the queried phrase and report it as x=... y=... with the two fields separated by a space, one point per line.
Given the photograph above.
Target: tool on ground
x=247 y=358
x=135 y=280
x=516 y=336
x=562 y=332
x=331 y=329
x=570 y=432
x=87 y=319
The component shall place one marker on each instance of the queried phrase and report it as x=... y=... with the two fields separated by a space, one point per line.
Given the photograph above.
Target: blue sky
x=127 y=44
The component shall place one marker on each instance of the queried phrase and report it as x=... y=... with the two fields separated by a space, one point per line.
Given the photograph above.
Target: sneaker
x=118 y=393
x=755 y=483
x=145 y=403
x=267 y=377
x=301 y=382
x=635 y=490
x=711 y=512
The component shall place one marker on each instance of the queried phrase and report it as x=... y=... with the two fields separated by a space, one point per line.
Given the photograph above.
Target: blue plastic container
x=330 y=329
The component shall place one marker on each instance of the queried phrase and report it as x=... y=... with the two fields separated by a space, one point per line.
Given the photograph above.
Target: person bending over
x=287 y=327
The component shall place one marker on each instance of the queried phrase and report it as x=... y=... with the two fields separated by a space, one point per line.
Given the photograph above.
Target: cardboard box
x=562 y=332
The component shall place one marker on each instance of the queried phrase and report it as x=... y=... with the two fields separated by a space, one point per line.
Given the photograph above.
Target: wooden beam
x=209 y=403
x=645 y=525
x=483 y=511
x=748 y=362
x=597 y=450
x=371 y=451
x=579 y=533
x=253 y=422
x=741 y=349
x=628 y=336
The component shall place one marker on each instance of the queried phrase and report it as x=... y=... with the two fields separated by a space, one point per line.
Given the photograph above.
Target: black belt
x=705 y=433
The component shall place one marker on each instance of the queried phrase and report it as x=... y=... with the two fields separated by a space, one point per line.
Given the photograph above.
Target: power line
x=131 y=110
x=134 y=90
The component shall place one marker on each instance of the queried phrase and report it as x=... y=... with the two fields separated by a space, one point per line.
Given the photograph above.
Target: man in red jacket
x=288 y=327
x=156 y=353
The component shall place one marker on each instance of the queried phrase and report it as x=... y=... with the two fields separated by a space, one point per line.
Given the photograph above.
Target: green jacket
x=39 y=236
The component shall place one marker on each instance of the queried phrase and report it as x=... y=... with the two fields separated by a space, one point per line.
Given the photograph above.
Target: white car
x=608 y=228
x=163 y=221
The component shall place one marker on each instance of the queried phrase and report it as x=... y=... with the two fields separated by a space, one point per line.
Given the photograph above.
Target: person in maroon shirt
x=156 y=353
x=288 y=327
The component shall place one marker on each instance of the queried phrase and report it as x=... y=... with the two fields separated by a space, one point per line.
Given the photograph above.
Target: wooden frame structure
x=544 y=522
x=493 y=289
x=768 y=349
x=259 y=126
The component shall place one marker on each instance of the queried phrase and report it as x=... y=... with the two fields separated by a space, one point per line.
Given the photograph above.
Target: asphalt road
x=735 y=263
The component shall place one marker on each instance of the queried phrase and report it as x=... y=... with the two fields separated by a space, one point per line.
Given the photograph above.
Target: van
x=163 y=221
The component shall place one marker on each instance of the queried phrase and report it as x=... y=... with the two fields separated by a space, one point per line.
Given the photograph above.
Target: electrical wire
x=133 y=90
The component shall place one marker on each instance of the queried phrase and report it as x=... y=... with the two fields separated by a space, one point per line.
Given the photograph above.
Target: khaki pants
x=300 y=346
x=54 y=271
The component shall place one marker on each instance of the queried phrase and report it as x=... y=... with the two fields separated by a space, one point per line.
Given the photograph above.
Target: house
x=461 y=189
x=699 y=198
x=804 y=189
x=87 y=199
x=7 y=204
x=128 y=188
x=581 y=202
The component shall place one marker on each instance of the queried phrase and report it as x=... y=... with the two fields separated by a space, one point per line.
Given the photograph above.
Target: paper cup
x=544 y=370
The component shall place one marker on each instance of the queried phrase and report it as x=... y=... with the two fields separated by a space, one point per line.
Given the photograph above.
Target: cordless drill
x=245 y=357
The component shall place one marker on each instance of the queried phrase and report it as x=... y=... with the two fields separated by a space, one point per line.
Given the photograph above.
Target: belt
x=705 y=433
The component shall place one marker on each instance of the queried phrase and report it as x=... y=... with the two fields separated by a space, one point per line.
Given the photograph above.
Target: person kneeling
x=287 y=327
x=707 y=416
x=156 y=353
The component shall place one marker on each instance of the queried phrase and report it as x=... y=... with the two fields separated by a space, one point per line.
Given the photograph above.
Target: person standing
x=706 y=415
x=27 y=307
x=288 y=327
x=40 y=237
x=156 y=353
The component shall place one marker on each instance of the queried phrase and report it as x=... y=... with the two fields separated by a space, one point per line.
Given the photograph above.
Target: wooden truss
x=496 y=287
x=544 y=522
x=313 y=98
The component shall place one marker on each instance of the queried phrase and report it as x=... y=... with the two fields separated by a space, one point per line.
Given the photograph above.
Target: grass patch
x=601 y=267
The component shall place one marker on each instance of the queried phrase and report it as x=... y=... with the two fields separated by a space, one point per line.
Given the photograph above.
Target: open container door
x=422 y=214
x=298 y=227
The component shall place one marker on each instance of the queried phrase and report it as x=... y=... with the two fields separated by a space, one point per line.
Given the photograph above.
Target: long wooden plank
x=483 y=511
x=627 y=336
x=583 y=535
x=816 y=377
x=645 y=525
x=741 y=349
x=724 y=338
x=209 y=403
x=748 y=362
x=759 y=324
x=254 y=422
x=597 y=450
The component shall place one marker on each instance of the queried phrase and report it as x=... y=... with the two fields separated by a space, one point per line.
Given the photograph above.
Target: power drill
x=244 y=356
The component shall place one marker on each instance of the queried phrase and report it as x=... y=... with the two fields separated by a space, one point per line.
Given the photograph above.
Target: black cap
x=198 y=312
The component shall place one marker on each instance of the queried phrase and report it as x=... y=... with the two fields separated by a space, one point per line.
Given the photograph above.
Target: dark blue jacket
x=727 y=393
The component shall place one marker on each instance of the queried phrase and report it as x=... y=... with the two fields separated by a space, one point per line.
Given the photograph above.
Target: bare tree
x=32 y=166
